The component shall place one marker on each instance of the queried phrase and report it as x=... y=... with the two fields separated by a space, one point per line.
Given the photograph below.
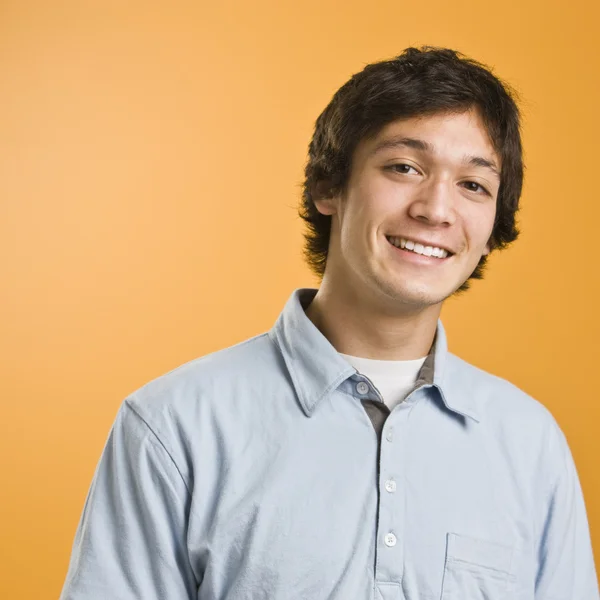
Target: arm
x=566 y=568
x=131 y=539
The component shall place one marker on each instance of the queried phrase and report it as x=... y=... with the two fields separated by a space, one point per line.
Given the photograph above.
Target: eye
x=401 y=168
x=472 y=186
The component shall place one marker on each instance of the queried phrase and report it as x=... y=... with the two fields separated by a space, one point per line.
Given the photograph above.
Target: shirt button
x=390 y=486
x=362 y=387
x=389 y=436
x=390 y=540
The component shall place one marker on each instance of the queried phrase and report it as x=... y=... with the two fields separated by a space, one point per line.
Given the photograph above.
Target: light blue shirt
x=256 y=473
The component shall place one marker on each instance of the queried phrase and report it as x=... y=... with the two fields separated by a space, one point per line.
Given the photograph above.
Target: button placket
x=389 y=564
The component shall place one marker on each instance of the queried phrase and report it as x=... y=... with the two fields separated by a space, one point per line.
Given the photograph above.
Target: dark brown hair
x=420 y=81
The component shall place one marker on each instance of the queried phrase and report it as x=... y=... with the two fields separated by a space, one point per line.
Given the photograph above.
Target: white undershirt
x=393 y=378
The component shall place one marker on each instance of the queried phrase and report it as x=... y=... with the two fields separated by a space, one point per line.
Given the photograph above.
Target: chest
x=408 y=506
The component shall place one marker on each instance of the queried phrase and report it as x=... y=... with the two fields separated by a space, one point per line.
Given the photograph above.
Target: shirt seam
x=160 y=442
x=554 y=478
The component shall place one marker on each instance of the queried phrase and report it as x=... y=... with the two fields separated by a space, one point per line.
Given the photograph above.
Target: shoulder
x=215 y=367
x=499 y=401
x=517 y=423
x=193 y=400
x=214 y=372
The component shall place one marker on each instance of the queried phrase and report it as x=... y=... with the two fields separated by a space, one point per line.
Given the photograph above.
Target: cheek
x=364 y=208
x=481 y=225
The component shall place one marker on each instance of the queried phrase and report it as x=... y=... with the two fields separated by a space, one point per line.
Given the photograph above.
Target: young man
x=346 y=454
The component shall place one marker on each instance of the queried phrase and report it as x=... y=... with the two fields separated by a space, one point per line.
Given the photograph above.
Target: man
x=346 y=454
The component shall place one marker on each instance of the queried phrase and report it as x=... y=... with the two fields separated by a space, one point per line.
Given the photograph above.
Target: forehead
x=445 y=134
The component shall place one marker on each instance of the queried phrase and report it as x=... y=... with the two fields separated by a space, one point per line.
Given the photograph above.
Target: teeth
x=418 y=248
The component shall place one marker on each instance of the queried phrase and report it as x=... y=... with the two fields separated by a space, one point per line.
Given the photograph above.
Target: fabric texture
x=273 y=470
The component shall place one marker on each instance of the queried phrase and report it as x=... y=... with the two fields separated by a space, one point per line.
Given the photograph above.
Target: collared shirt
x=272 y=470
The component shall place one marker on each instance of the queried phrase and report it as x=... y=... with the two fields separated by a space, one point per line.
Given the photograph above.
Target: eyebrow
x=424 y=146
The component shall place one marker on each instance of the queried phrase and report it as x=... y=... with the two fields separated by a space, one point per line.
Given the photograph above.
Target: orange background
x=151 y=155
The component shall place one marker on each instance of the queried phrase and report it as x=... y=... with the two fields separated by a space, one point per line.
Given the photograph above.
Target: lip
x=423 y=243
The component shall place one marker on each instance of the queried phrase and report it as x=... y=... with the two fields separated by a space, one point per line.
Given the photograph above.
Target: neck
x=354 y=326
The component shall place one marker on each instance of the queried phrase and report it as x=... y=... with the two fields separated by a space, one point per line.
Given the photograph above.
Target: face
x=418 y=210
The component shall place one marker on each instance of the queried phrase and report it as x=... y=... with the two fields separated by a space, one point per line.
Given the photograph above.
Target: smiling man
x=346 y=454
x=414 y=222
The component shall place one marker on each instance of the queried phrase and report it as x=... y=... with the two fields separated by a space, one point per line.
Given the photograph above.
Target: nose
x=433 y=204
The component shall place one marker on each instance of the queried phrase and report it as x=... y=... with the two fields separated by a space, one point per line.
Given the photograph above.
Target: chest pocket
x=476 y=569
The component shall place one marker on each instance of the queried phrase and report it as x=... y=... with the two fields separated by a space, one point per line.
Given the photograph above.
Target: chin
x=422 y=300
x=417 y=296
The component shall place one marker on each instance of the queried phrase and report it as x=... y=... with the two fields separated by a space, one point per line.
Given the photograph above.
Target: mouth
x=416 y=249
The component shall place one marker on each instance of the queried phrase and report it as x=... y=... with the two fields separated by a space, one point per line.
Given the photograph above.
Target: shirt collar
x=316 y=367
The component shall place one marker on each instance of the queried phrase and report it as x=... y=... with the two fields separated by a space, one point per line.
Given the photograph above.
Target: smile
x=417 y=248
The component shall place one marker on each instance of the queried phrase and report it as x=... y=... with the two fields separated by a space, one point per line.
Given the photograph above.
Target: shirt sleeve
x=566 y=562
x=131 y=539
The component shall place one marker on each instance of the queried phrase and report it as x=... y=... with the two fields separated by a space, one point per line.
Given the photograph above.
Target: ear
x=324 y=201
x=487 y=249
